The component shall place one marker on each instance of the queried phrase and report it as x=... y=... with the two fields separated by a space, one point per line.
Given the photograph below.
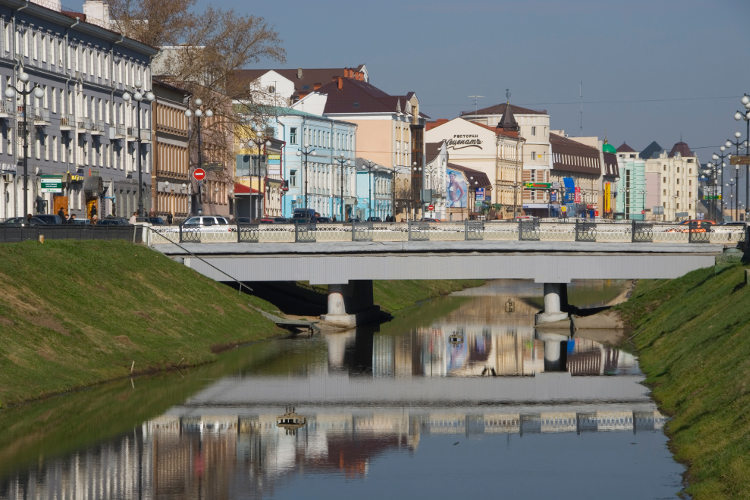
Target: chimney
x=340 y=83
x=299 y=73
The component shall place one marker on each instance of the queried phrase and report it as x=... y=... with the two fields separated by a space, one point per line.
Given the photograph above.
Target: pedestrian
x=93 y=210
x=61 y=213
x=170 y=218
x=28 y=219
x=72 y=219
x=133 y=218
x=94 y=219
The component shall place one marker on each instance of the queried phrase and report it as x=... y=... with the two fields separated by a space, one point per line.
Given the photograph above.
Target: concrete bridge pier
x=555 y=304
x=350 y=305
x=553 y=350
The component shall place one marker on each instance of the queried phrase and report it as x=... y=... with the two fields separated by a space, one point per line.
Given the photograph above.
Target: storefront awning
x=241 y=189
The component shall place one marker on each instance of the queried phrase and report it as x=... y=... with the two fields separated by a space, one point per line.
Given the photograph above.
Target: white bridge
x=348 y=257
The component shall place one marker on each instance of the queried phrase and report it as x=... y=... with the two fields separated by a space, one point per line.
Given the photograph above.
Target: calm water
x=460 y=398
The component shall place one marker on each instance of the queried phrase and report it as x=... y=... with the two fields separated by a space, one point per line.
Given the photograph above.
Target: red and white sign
x=431 y=208
x=199 y=174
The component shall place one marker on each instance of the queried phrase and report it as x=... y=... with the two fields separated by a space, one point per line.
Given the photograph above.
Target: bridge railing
x=524 y=230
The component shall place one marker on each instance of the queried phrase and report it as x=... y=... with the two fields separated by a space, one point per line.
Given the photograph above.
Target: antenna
x=476 y=98
x=580 y=111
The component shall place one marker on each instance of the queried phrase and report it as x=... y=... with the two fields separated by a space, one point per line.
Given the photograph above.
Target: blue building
x=630 y=202
x=374 y=190
x=317 y=163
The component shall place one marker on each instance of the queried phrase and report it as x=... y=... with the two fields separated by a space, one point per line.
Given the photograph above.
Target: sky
x=660 y=70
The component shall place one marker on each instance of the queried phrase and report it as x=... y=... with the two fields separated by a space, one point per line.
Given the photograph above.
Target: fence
x=11 y=233
x=523 y=230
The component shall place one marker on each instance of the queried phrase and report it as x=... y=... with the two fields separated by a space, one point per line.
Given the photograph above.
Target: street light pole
x=306 y=151
x=139 y=95
x=197 y=207
x=342 y=161
x=258 y=142
x=369 y=166
x=745 y=115
x=721 y=164
x=23 y=91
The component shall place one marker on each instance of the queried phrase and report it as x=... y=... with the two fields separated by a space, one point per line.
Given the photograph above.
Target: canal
x=458 y=397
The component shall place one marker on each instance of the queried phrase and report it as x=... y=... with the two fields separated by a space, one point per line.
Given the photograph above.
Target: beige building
x=495 y=151
x=534 y=127
x=677 y=174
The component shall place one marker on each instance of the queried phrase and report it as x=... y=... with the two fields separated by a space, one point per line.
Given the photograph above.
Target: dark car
x=21 y=221
x=156 y=221
x=374 y=219
x=113 y=221
x=49 y=218
x=323 y=219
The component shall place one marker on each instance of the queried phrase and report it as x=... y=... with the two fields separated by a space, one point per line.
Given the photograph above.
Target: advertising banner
x=456 y=189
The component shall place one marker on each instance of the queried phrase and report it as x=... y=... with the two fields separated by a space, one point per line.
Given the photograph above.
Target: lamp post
x=139 y=95
x=370 y=165
x=306 y=151
x=720 y=165
x=736 y=143
x=258 y=142
x=199 y=113
x=745 y=115
x=343 y=162
x=416 y=173
x=23 y=90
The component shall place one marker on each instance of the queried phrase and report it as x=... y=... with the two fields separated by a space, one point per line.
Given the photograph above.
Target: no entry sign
x=199 y=174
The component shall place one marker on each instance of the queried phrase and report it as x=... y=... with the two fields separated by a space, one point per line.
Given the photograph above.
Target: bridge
x=348 y=257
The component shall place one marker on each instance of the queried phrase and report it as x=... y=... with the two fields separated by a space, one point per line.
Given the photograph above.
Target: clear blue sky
x=651 y=69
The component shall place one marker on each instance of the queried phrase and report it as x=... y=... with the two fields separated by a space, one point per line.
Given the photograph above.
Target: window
x=533 y=130
x=533 y=155
x=292 y=177
x=293 y=135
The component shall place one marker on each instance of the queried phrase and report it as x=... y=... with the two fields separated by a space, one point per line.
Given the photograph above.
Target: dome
x=608 y=148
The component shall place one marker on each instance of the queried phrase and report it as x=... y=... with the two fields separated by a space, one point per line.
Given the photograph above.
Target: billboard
x=456 y=189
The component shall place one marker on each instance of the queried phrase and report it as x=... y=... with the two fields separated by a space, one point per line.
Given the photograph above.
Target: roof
x=653 y=150
x=496 y=130
x=682 y=148
x=508 y=121
x=572 y=156
x=499 y=109
x=624 y=148
x=352 y=96
x=436 y=123
x=480 y=178
x=432 y=150
x=611 y=169
x=304 y=79
x=608 y=148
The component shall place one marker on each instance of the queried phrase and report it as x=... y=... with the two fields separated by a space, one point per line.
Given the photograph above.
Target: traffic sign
x=199 y=174
x=51 y=184
x=431 y=208
x=739 y=160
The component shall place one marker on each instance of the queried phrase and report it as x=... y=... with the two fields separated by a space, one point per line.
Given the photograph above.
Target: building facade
x=375 y=191
x=676 y=181
x=631 y=187
x=89 y=144
x=575 y=178
x=170 y=180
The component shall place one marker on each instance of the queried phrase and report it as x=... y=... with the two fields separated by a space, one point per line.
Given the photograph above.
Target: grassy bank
x=75 y=313
x=693 y=338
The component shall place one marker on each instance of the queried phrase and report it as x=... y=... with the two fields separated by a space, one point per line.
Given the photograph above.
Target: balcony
x=39 y=116
x=85 y=125
x=144 y=137
x=67 y=122
x=98 y=128
x=7 y=109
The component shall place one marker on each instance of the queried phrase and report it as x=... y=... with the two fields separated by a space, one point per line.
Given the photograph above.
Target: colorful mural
x=456 y=189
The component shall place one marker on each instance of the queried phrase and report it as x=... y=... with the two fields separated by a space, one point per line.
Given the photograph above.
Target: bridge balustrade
x=248 y=233
x=304 y=232
x=190 y=234
x=528 y=230
x=474 y=230
x=362 y=231
x=419 y=231
x=641 y=232
x=585 y=231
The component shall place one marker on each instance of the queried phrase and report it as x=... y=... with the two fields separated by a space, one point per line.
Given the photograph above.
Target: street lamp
x=716 y=157
x=22 y=90
x=370 y=165
x=342 y=161
x=306 y=151
x=197 y=207
x=259 y=144
x=139 y=95
x=416 y=173
x=745 y=115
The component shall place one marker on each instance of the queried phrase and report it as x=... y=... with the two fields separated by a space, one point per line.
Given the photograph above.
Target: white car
x=212 y=223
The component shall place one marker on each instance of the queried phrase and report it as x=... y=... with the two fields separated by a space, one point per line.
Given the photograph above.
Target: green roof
x=608 y=148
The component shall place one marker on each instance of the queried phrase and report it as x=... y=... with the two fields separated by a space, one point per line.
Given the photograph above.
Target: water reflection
x=461 y=398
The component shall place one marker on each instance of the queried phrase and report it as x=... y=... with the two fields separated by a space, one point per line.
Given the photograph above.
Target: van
x=304 y=215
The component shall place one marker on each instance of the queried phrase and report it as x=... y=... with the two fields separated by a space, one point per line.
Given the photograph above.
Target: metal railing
x=602 y=232
x=12 y=233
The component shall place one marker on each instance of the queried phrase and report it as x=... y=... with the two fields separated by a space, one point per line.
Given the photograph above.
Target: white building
x=676 y=174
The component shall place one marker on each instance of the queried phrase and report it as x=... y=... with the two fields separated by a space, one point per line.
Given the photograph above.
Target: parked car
x=49 y=218
x=209 y=222
x=323 y=219
x=21 y=221
x=374 y=219
x=156 y=221
x=113 y=221
x=693 y=226
x=429 y=219
x=244 y=220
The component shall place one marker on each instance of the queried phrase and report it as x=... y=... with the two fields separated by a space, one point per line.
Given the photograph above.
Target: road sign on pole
x=739 y=160
x=199 y=174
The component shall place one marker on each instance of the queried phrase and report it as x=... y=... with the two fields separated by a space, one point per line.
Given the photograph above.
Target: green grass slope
x=693 y=338
x=75 y=313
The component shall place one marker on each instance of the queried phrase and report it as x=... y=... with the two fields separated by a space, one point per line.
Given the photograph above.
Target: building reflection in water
x=247 y=454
